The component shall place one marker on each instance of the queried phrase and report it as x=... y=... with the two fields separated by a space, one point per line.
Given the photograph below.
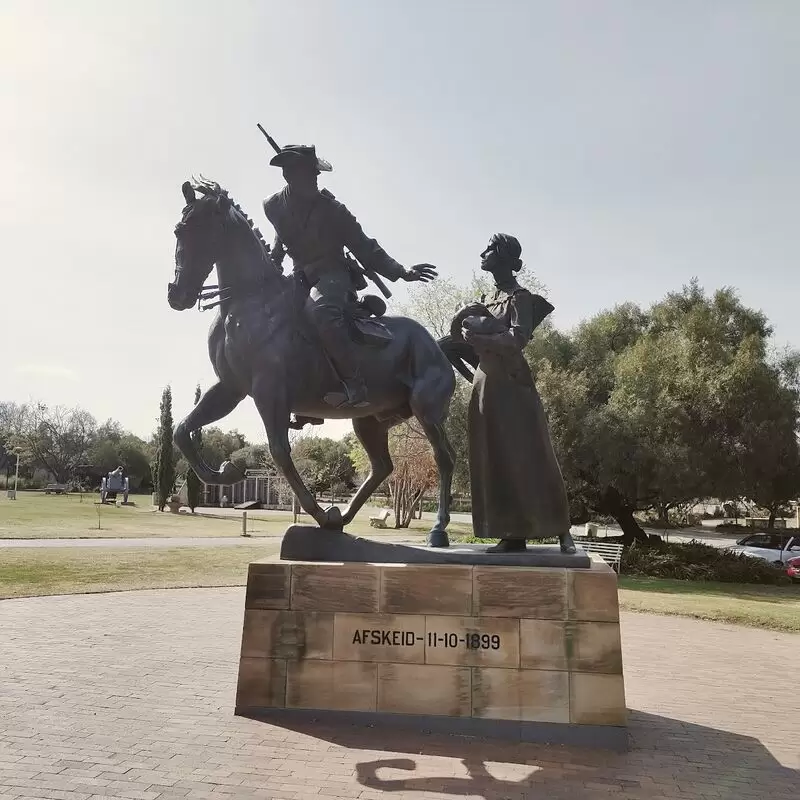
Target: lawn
x=28 y=572
x=64 y=570
x=774 y=607
x=35 y=515
x=31 y=571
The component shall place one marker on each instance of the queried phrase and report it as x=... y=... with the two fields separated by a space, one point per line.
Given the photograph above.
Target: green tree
x=164 y=465
x=324 y=463
x=194 y=486
x=764 y=424
x=253 y=456
x=657 y=409
x=218 y=445
x=113 y=447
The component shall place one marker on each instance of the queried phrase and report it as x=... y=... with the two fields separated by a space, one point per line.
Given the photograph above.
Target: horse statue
x=261 y=343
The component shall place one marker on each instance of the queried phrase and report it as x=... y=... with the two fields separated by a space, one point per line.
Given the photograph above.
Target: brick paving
x=130 y=695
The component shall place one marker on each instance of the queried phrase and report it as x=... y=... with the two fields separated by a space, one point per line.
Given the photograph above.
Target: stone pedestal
x=526 y=653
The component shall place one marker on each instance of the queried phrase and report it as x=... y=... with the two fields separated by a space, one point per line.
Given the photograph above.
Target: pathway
x=130 y=695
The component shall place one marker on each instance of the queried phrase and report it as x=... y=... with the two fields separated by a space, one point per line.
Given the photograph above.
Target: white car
x=777 y=548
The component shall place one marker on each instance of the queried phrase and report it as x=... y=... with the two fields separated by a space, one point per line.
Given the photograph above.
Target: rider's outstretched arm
x=366 y=250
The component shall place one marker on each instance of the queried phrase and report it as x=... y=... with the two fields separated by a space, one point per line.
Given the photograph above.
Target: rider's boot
x=342 y=351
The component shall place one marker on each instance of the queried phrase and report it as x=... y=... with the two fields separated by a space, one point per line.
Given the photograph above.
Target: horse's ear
x=188 y=192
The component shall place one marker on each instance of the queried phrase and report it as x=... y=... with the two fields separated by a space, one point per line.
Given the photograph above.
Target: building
x=259 y=486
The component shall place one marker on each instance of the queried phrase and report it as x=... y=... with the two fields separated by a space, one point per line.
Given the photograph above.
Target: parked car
x=793 y=568
x=777 y=548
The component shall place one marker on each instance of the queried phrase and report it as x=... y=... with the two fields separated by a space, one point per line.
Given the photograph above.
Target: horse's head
x=214 y=230
x=198 y=236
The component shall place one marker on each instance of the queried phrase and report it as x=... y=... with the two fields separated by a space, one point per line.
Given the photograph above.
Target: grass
x=35 y=515
x=33 y=571
x=30 y=572
x=773 y=607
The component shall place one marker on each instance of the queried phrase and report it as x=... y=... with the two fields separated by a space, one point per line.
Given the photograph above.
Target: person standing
x=518 y=491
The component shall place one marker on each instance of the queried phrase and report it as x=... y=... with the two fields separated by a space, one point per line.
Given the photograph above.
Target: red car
x=793 y=568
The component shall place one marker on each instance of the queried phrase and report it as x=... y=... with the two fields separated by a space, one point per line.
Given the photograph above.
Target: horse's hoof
x=229 y=474
x=438 y=539
x=332 y=519
x=567 y=544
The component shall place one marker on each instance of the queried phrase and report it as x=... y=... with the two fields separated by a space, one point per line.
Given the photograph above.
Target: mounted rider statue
x=314 y=229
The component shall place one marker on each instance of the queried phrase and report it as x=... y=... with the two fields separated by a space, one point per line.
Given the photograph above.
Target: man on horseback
x=314 y=229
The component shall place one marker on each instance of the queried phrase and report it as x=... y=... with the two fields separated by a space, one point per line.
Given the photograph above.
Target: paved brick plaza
x=130 y=695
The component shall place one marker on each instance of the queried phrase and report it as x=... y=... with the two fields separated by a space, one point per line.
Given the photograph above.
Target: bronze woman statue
x=518 y=492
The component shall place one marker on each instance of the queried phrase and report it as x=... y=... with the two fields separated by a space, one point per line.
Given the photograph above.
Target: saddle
x=362 y=322
x=362 y=317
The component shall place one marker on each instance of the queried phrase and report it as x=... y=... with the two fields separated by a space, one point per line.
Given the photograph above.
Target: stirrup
x=345 y=399
x=298 y=422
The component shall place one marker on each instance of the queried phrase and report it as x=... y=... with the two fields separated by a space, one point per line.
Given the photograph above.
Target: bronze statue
x=314 y=228
x=518 y=492
x=264 y=344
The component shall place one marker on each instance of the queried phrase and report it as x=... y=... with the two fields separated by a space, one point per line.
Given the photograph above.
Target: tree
x=164 y=465
x=194 y=485
x=55 y=439
x=253 y=456
x=765 y=429
x=656 y=409
x=414 y=472
x=217 y=446
x=11 y=415
x=324 y=464
x=113 y=447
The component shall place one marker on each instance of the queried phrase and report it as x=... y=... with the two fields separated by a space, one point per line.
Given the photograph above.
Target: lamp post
x=12 y=493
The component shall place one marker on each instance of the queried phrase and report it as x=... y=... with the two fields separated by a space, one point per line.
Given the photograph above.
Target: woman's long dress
x=517 y=488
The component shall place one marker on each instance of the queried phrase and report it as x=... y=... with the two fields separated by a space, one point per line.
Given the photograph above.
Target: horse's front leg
x=216 y=403
x=274 y=412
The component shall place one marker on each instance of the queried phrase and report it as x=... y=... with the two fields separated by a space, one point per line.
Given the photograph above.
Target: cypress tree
x=165 y=460
x=194 y=485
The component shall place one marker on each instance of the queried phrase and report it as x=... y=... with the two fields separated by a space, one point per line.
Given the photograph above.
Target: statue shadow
x=666 y=756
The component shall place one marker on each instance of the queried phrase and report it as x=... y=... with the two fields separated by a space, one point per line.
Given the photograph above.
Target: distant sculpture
x=518 y=492
x=265 y=343
x=114 y=483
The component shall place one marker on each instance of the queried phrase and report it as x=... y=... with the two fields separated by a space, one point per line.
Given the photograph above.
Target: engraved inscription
x=379 y=637
x=388 y=638
x=471 y=640
x=412 y=638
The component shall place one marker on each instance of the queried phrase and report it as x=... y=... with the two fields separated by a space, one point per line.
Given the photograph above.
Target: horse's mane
x=210 y=188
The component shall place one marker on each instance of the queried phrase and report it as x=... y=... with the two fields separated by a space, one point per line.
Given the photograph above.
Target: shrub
x=695 y=561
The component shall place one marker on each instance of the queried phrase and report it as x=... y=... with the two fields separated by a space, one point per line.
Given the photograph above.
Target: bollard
x=244 y=523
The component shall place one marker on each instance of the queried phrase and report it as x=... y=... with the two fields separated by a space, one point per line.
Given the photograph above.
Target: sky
x=629 y=146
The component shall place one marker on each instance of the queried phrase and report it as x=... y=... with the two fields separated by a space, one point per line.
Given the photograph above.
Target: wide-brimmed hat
x=293 y=153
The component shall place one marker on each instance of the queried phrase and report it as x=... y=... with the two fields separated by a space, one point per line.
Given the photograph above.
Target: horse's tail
x=460 y=354
x=429 y=373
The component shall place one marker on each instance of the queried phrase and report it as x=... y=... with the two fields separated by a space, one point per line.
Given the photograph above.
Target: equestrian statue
x=303 y=345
